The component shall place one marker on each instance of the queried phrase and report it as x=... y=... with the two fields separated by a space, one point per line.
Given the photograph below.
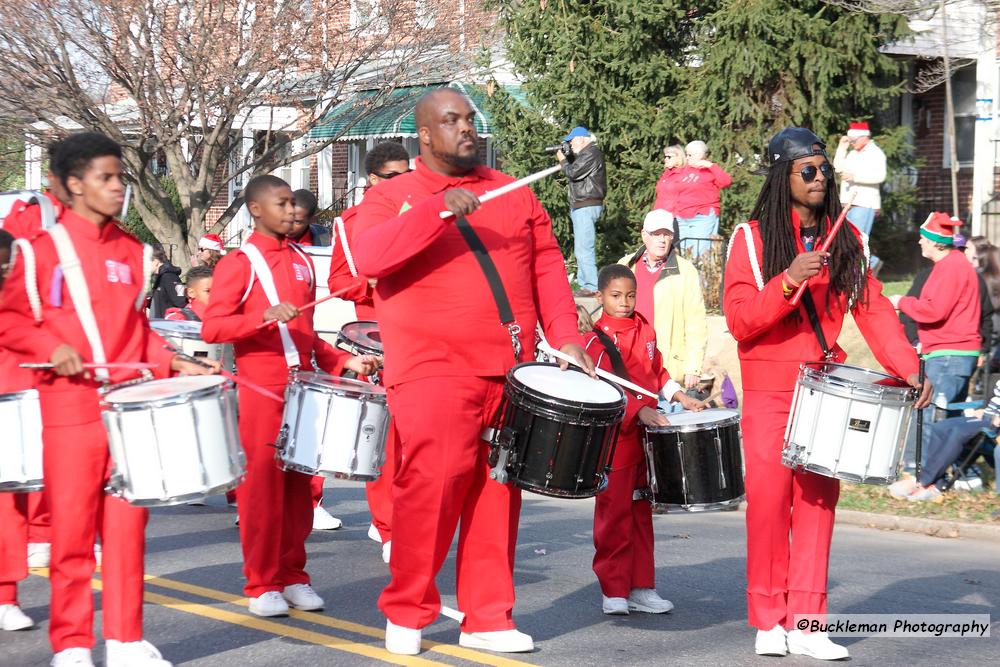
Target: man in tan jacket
x=669 y=296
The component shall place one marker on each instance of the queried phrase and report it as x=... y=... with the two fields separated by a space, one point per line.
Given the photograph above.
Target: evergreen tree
x=643 y=74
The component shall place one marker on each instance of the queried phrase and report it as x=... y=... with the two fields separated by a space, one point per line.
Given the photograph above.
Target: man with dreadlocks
x=790 y=513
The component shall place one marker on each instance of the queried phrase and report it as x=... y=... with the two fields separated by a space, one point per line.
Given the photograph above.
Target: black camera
x=565 y=148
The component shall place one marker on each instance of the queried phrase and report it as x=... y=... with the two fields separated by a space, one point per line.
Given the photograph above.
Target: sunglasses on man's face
x=391 y=174
x=808 y=172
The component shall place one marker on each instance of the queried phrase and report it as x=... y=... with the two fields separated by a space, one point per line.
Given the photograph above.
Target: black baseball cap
x=793 y=143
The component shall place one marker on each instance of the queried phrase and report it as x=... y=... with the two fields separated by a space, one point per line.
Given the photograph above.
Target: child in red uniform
x=790 y=513
x=13 y=506
x=41 y=321
x=259 y=283
x=623 y=526
x=198 y=290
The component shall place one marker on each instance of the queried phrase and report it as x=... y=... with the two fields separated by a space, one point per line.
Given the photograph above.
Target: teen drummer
x=47 y=313
x=790 y=513
x=264 y=281
x=623 y=342
x=445 y=384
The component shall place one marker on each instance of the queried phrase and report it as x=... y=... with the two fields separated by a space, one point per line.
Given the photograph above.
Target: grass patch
x=897 y=287
x=967 y=506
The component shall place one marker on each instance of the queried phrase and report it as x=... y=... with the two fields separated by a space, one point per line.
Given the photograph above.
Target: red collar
x=81 y=226
x=436 y=182
x=268 y=242
x=619 y=324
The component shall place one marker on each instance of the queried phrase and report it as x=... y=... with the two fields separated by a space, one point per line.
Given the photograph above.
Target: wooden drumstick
x=510 y=187
x=311 y=304
x=827 y=242
x=620 y=381
x=252 y=386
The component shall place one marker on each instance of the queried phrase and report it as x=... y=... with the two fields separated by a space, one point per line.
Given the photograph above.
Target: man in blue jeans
x=583 y=165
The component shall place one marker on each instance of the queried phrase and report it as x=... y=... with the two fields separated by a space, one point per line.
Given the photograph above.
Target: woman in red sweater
x=697 y=204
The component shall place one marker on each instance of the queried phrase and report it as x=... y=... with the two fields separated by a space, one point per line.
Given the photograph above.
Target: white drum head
x=160 y=389
x=566 y=385
x=339 y=383
x=177 y=328
x=703 y=418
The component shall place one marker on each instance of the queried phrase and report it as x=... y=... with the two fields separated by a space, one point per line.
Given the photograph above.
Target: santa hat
x=940 y=228
x=211 y=242
x=858 y=130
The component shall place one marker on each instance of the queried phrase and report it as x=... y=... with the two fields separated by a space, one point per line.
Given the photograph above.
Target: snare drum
x=334 y=427
x=695 y=463
x=174 y=440
x=186 y=336
x=21 y=451
x=361 y=337
x=557 y=431
x=848 y=422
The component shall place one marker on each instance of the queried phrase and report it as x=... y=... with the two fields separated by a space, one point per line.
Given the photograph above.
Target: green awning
x=368 y=114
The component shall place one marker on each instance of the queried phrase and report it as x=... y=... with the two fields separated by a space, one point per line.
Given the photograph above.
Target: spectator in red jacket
x=790 y=512
x=697 y=206
x=668 y=187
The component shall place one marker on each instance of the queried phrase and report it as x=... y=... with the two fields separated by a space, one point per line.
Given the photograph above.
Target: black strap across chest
x=810 y=306
x=617 y=362
x=489 y=269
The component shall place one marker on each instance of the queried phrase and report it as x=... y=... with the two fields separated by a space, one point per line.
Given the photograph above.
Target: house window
x=426 y=14
x=963 y=96
x=367 y=16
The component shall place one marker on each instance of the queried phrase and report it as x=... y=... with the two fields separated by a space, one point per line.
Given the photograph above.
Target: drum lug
x=502 y=448
x=279 y=443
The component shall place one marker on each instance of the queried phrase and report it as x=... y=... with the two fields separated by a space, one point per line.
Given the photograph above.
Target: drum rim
x=169 y=332
x=691 y=428
x=177 y=399
x=12 y=396
x=363 y=388
x=513 y=382
x=812 y=371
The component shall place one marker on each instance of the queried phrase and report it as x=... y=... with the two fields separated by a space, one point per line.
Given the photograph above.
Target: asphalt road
x=196 y=615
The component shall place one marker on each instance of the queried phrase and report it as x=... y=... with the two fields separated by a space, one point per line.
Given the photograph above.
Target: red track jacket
x=435 y=308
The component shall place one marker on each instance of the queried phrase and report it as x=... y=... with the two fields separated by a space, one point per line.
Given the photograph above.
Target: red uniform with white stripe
x=177 y=314
x=623 y=527
x=13 y=506
x=790 y=514
x=76 y=459
x=446 y=382
x=275 y=507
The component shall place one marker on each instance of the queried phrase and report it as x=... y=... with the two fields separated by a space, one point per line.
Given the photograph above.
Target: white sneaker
x=271 y=603
x=323 y=521
x=39 y=554
x=501 y=641
x=133 y=654
x=969 y=484
x=12 y=618
x=302 y=597
x=771 y=642
x=924 y=493
x=386 y=549
x=815 y=645
x=72 y=657
x=903 y=487
x=614 y=606
x=649 y=601
x=373 y=533
x=400 y=640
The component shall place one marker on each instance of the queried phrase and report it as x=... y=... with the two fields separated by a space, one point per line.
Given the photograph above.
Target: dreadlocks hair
x=773 y=211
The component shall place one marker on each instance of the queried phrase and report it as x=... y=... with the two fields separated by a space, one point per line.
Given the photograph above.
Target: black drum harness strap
x=507 y=319
x=810 y=306
x=613 y=354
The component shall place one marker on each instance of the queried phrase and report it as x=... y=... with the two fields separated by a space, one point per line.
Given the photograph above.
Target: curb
x=931 y=527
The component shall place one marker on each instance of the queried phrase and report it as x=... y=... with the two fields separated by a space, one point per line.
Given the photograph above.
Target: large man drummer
x=446 y=356
x=790 y=514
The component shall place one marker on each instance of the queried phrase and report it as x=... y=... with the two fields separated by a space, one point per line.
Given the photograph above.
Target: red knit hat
x=858 y=130
x=940 y=228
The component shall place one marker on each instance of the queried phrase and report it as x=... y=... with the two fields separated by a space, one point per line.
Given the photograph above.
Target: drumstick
x=827 y=242
x=520 y=183
x=548 y=349
x=311 y=304
x=920 y=421
x=126 y=365
x=252 y=386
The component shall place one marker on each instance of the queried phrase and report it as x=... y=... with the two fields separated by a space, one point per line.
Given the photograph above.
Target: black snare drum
x=361 y=337
x=557 y=431
x=695 y=463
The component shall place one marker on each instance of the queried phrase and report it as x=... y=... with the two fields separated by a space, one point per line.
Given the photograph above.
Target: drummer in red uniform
x=790 y=513
x=445 y=383
x=198 y=289
x=41 y=321
x=623 y=342
x=264 y=281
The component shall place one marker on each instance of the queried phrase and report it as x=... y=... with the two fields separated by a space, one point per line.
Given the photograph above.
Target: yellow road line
x=338 y=624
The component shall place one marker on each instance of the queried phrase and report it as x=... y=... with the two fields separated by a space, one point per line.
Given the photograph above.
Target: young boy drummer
x=198 y=290
x=623 y=342
x=75 y=298
x=264 y=281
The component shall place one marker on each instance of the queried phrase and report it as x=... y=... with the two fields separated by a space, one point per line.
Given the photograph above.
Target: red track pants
x=789 y=520
x=379 y=492
x=76 y=463
x=443 y=478
x=274 y=506
x=623 y=534
x=13 y=544
x=39 y=518
x=316 y=489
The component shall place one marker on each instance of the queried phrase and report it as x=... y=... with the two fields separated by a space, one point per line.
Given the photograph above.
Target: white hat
x=658 y=219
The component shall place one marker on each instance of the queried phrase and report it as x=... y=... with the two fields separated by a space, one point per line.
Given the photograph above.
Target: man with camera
x=583 y=164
